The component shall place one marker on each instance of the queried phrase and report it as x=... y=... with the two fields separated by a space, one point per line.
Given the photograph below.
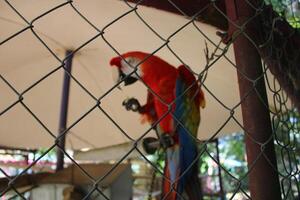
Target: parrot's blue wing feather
x=187 y=114
x=182 y=163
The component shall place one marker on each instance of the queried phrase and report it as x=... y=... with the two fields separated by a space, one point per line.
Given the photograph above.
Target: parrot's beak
x=128 y=80
x=118 y=75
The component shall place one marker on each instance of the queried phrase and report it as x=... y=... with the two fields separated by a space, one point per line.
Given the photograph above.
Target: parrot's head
x=126 y=66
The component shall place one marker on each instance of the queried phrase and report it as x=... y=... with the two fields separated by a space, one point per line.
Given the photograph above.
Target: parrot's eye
x=130 y=61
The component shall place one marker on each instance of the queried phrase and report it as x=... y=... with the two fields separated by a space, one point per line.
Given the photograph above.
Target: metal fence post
x=64 y=110
x=261 y=158
x=222 y=194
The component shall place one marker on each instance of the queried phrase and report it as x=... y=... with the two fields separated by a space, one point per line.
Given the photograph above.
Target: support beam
x=209 y=15
x=64 y=110
x=263 y=177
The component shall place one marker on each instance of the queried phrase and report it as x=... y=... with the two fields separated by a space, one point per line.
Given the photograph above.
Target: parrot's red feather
x=116 y=61
x=148 y=110
x=164 y=82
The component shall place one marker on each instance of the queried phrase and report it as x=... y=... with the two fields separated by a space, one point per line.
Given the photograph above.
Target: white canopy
x=24 y=60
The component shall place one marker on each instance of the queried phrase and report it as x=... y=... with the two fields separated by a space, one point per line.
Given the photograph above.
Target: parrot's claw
x=151 y=144
x=166 y=141
x=131 y=104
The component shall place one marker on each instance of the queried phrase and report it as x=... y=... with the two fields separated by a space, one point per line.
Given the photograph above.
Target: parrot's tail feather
x=167 y=192
x=193 y=187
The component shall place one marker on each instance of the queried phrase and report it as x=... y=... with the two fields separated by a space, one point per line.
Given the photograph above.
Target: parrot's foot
x=151 y=144
x=166 y=141
x=131 y=104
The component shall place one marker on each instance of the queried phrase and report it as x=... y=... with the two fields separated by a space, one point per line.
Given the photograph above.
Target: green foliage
x=232 y=159
x=288 y=9
x=232 y=154
x=287 y=147
x=278 y=5
x=233 y=147
x=50 y=156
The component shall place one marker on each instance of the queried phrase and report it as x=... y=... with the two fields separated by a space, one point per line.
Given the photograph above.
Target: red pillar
x=263 y=177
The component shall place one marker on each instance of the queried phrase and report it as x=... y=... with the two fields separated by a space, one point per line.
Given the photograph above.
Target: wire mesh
x=278 y=58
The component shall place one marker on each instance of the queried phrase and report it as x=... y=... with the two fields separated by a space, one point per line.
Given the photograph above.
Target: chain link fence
x=277 y=47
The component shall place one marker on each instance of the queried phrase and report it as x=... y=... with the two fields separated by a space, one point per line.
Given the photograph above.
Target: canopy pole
x=64 y=111
x=261 y=157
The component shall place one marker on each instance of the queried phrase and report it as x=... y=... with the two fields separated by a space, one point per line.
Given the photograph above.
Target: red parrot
x=175 y=99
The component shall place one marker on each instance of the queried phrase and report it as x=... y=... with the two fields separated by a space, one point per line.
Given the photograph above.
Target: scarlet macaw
x=180 y=120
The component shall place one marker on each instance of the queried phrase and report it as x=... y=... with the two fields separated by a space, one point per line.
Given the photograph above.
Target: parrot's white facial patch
x=130 y=66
